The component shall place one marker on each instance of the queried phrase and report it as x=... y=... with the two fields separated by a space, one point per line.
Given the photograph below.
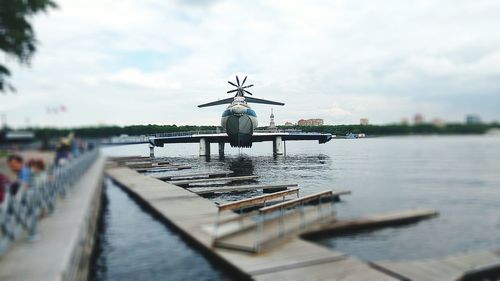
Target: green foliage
x=108 y=131
x=17 y=37
x=340 y=130
x=397 y=129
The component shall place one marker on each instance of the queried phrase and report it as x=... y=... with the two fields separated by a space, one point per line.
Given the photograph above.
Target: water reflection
x=240 y=166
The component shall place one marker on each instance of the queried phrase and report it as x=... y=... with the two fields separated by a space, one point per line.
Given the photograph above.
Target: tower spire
x=272 y=124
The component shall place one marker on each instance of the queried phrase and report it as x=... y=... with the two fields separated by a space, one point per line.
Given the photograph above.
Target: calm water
x=133 y=246
x=458 y=176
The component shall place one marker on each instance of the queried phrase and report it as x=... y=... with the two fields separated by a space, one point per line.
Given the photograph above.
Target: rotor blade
x=242 y=83
x=251 y=85
x=256 y=100
x=238 y=80
x=219 y=102
x=248 y=92
x=232 y=91
x=232 y=83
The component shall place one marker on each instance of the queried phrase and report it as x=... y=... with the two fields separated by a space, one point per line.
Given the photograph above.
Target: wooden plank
x=145 y=164
x=197 y=175
x=258 y=199
x=296 y=202
x=148 y=165
x=162 y=169
x=187 y=182
x=124 y=158
x=392 y=218
x=208 y=190
x=345 y=269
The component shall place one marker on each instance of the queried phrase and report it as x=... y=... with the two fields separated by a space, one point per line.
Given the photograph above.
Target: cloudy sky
x=152 y=61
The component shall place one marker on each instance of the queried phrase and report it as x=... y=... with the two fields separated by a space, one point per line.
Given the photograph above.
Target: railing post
x=302 y=215
x=281 y=223
x=259 y=231
x=216 y=228
x=320 y=211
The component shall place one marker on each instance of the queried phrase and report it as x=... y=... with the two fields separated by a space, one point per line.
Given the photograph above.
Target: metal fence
x=20 y=213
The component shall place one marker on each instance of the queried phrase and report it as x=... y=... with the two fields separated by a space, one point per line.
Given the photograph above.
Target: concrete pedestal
x=204 y=147
x=221 y=148
x=151 y=151
x=278 y=146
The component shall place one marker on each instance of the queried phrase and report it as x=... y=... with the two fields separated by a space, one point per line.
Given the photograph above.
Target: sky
x=110 y=62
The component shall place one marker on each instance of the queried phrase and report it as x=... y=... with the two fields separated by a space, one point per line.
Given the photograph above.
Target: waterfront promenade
x=64 y=241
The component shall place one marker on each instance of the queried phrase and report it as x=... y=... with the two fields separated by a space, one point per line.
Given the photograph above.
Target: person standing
x=16 y=165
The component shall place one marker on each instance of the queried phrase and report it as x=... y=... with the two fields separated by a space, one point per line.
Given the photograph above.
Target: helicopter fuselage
x=239 y=121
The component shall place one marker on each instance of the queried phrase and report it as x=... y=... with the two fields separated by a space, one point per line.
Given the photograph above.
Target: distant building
x=405 y=121
x=472 y=119
x=363 y=121
x=310 y=122
x=317 y=122
x=288 y=124
x=438 y=122
x=418 y=119
x=272 y=124
x=302 y=122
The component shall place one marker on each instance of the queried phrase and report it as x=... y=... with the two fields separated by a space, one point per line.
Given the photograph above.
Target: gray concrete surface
x=66 y=238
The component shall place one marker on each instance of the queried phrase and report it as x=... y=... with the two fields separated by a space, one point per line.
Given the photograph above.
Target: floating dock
x=191 y=214
x=230 y=237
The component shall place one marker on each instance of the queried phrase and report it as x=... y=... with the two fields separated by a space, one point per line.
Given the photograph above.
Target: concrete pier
x=278 y=146
x=66 y=238
x=204 y=147
x=194 y=217
x=221 y=148
x=151 y=151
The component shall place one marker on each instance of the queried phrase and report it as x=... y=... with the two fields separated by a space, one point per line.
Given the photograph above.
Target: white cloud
x=153 y=61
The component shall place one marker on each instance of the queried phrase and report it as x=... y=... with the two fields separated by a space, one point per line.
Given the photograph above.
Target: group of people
x=34 y=171
x=26 y=174
x=68 y=148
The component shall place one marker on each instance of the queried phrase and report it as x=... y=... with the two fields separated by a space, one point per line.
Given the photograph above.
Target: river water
x=457 y=175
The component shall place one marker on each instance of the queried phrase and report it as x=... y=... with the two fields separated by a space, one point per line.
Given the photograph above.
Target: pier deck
x=290 y=257
x=295 y=260
x=240 y=188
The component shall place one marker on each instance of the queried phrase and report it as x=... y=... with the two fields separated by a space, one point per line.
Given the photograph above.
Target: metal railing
x=275 y=216
x=145 y=138
x=293 y=206
x=188 y=133
x=20 y=213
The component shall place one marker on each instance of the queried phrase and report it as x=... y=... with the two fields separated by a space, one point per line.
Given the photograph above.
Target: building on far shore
x=438 y=122
x=272 y=124
x=363 y=121
x=472 y=119
x=288 y=124
x=418 y=119
x=310 y=122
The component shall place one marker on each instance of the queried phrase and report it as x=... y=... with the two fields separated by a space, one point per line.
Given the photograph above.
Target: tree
x=17 y=37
